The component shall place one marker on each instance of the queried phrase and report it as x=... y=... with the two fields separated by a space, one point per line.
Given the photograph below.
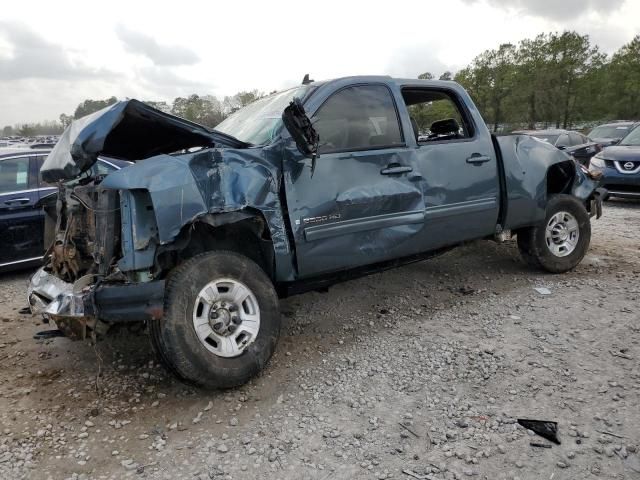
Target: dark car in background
x=620 y=166
x=611 y=133
x=579 y=146
x=21 y=193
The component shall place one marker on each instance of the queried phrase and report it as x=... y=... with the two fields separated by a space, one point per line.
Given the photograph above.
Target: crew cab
x=296 y=191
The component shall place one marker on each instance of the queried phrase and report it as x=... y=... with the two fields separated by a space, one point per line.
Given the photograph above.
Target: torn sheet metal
x=526 y=164
x=49 y=295
x=186 y=187
x=129 y=130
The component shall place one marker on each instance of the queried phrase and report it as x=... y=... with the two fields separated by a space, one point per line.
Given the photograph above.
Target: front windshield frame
x=611 y=130
x=632 y=139
x=260 y=122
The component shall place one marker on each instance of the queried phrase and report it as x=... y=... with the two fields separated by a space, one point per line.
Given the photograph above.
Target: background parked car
x=611 y=133
x=21 y=193
x=620 y=166
x=579 y=146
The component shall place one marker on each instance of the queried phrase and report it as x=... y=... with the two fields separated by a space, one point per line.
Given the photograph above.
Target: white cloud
x=143 y=44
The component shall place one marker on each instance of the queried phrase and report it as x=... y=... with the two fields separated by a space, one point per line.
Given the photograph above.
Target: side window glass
x=576 y=139
x=358 y=118
x=436 y=115
x=563 y=140
x=14 y=174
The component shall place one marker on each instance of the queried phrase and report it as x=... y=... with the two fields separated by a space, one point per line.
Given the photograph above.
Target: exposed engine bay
x=83 y=234
x=86 y=233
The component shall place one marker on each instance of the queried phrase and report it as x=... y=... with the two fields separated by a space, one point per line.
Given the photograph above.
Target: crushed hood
x=130 y=130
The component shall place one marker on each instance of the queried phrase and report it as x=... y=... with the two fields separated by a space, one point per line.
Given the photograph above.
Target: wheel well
x=560 y=177
x=249 y=237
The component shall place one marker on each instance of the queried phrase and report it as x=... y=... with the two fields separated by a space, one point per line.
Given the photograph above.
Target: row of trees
x=555 y=79
x=206 y=110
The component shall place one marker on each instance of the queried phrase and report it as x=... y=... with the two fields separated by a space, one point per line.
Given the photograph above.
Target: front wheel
x=221 y=320
x=562 y=241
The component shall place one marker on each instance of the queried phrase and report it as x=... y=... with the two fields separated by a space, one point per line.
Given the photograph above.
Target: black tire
x=174 y=338
x=532 y=243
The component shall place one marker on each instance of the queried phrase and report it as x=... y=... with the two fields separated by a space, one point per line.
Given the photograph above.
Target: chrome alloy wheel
x=226 y=317
x=562 y=234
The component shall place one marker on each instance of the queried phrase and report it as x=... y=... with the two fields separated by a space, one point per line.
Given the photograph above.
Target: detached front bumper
x=74 y=307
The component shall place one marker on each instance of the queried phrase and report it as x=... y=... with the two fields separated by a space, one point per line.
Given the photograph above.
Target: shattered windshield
x=258 y=122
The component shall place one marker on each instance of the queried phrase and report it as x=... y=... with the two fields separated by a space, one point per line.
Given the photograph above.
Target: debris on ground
x=544 y=428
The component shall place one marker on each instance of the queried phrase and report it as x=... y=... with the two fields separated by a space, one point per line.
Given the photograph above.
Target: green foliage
x=65 y=120
x=555 y=79
x=205 y=110
x=623 y=78
x=240 y=99
x=40 y=128
x=427 y=113
x=90 y=106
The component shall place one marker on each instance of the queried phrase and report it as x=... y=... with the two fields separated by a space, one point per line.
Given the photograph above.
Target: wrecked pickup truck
x=203 y=233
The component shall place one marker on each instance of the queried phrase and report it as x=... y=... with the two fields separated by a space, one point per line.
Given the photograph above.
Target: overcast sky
x=53 y=55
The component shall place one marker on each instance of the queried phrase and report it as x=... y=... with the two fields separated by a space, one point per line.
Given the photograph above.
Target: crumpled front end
x=75 y=289
x=84 y=309
x=60 y=302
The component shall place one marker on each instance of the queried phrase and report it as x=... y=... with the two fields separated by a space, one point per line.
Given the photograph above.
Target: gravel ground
x=418 y=372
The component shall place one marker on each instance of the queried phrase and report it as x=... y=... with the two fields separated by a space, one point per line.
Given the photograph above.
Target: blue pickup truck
x=296 y=191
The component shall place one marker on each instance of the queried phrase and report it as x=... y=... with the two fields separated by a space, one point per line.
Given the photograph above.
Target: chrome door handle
x=395 y=168
x=14 y=201
x=478 y=159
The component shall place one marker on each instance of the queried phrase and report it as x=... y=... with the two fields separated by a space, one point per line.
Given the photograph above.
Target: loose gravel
x=415 y=373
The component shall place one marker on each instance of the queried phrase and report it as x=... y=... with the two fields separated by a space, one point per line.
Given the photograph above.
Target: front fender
x=184 y=188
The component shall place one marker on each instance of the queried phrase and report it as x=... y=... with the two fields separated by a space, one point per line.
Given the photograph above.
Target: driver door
x=362 y=203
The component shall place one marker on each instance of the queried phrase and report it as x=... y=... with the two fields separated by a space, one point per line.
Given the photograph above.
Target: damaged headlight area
x=88 y=284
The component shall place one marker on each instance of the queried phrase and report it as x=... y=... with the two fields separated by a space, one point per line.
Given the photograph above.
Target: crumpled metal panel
x=187 y=186
x=49 y=295
x=526 y=162
x=129 y=130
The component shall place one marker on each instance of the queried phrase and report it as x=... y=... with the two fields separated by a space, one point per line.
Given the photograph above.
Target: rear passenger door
x=362 y=203
x=21 y=223
x=458 y=166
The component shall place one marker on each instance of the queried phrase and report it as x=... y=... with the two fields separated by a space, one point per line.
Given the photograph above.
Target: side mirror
x=299 y=126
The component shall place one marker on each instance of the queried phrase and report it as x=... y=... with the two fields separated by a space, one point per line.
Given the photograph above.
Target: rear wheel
x=221 y=320
x=561 y=242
